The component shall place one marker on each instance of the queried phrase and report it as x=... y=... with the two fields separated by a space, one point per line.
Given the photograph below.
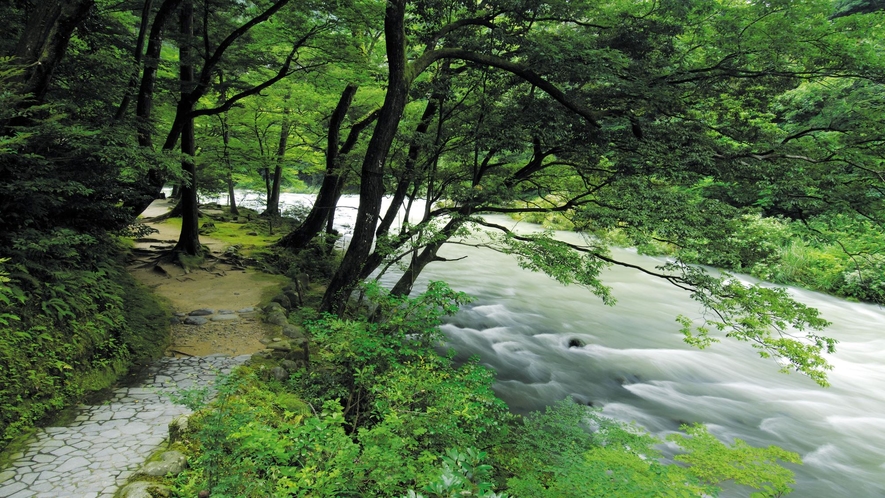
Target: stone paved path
x=107 y=443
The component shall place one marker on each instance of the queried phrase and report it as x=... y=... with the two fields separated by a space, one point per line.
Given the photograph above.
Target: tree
x=323 y=208
x=641 y=109
x=44 y=40
x=189 y=239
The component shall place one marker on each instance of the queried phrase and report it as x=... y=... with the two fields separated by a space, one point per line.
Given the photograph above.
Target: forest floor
x=215 y=285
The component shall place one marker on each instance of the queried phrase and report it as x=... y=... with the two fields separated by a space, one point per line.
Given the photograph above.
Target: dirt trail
x=216 y=286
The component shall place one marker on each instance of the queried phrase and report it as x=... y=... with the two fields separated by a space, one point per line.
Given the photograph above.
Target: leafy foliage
x=399 y=420
x=713 y=461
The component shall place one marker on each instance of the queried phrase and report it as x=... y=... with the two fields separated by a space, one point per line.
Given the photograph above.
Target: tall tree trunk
x=184 y=112
x=138 y=55
x=409 y=174
x=44 y=41
x=403 y=286
x=372 y=172
x=225 y=154
x=189 y=239
x=231 y=197
x=273 y=198
x=323 y=209
x=144 y=103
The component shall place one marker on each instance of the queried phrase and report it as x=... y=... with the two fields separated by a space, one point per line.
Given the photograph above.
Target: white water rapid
x=635 y=367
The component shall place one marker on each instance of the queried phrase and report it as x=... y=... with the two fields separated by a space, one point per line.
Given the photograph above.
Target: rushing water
x=635 y=367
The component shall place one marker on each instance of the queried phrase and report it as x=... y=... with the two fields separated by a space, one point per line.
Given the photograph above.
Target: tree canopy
x=666 y=121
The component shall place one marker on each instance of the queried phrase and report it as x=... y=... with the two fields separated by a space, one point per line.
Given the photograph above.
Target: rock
x=576 y=343
x=276 y=318
x=178 y=428
x=270 y=308
x=250 y=309
x=202 y=312
x=196 y=320
x=207 y=228
x=174 y=320
x=225 y=318
x=291 y=365
x=261 y=355
x=142 y=489
x=283 y=300
x=279 y=373
x=181 y=313
x=293 y=331
x=226 y=312
x=280 y=345
x=294 y=299
x=171 y=462
x=290 y=350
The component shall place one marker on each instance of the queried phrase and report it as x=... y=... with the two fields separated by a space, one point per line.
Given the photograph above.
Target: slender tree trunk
x=232 y=200
x=409 y=172
x=44 y=41
x=225 y=154
x=273 y=196
x=138 y=55
x=189 y=239
x=144 y=103
x=372 y=172
x=323 y=210
x=403 y=286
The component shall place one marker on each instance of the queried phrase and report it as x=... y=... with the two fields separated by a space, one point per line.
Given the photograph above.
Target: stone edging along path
x=107 y=443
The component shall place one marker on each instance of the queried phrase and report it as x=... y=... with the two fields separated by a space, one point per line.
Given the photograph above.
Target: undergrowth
x=380 y=412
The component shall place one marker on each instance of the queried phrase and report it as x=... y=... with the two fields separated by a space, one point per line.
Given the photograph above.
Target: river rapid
x=632 y=364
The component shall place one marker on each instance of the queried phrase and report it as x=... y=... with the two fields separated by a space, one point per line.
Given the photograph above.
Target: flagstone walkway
x=107 y=443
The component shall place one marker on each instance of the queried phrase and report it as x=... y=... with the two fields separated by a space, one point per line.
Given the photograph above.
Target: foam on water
x=634 y=365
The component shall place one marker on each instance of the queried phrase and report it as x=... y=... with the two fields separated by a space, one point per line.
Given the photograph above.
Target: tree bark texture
x=44 y=41
x=371 y=176
x=327 y=199
x=138 y=55
x=189 y=239
x=273 y=195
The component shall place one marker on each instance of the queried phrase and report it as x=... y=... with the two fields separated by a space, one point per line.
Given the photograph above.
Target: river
x=634 y=366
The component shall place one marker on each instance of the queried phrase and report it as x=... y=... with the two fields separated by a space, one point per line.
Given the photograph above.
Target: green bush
x=389 y=417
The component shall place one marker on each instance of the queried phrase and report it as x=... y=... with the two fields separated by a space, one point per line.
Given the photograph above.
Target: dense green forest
x=743 y=135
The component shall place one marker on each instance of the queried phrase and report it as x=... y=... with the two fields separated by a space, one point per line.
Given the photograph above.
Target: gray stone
x=7 y=475
x=294 y=299
x=226 y=312
x=171 y=462
x=274 y=306
x=279 y=373
x=293 y=331
x=283 y=300
x=249 y=309
x=202 y=312
x=290 y=365
x=276 y=318
x=11 y=489
x=225 y=318
x=142 y=489
x=178 y=428
x=196 y=320
x=72 y=464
